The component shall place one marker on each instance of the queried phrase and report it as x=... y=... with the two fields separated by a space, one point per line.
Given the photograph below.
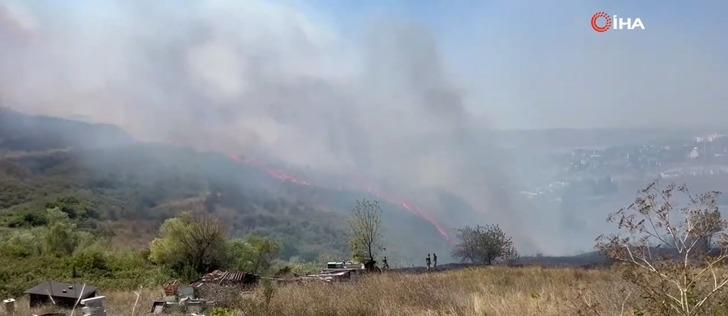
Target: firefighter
x=434 y=260
x=428 y=261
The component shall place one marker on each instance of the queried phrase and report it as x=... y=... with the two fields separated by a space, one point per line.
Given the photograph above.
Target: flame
x=404 y=204
x=273 y=173
x=412 y=208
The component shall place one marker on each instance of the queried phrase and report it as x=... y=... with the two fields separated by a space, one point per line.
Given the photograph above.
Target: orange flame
x=406 y=205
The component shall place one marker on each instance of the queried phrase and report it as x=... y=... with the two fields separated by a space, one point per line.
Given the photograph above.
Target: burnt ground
x=587 y=260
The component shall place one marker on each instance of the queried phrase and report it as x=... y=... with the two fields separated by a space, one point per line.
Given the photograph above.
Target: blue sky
x=526 y=64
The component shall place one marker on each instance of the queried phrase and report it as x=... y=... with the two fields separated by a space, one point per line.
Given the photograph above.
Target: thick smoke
x=261 y=80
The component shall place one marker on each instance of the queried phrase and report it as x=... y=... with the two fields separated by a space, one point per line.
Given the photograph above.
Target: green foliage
x=222 y=312
x=27 y=220
x=365 y=230
x=61 y=238
x=23 y=243
x=62 y=251
x=254 y=254
x=123 y=270
x=73 y=207
x=143 y=182
x=190 y=245
x=91 y=261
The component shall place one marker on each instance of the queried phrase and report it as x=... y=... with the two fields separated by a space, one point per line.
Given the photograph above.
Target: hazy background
x=400 y=97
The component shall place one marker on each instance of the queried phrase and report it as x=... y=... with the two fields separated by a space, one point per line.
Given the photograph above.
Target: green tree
x=365 y=230
x=61 y=238
x=24 y=243
x=190 y=245
x=483 y=244
x=254 y=254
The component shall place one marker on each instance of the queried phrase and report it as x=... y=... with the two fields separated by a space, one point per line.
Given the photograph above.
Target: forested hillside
x=99 y=176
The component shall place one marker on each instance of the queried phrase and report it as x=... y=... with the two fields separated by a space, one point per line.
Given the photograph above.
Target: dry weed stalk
x=78 y=300
x=667 y=239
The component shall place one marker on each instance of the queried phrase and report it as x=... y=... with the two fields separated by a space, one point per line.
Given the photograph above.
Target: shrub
x=665 y=239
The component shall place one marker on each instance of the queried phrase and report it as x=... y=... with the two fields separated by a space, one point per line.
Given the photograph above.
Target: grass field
x=473 y=291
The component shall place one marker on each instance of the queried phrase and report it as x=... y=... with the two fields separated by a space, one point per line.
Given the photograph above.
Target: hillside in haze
x=127 y=189
x=553 y=188
x=28 y=132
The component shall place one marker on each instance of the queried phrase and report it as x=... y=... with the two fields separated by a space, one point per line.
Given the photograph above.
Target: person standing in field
x=428 y=262
x=434 y=260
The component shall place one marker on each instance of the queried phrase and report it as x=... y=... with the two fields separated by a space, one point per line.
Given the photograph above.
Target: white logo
x=602 y=22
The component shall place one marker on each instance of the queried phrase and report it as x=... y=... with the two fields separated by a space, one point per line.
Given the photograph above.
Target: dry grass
x=477 y=291
x=481 y=291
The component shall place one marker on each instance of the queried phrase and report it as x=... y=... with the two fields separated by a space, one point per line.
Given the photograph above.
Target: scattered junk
x=338 y=271
x=338 y=265
x=335 y=271
x=95 y=306
x=9 y=306
x=195 y=298
x=178 y=298
x=228 y=278
x=186 y=292
x=64 y=295
x=158 y=307
x=334 y=276
x=170 y=289
x=371 y=266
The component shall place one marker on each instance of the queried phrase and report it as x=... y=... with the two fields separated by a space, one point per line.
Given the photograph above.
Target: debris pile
x=203 y=293
x=228 y=278
x=182 y=300
x=335 y=271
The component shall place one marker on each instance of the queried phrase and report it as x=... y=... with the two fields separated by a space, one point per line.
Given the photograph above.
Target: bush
x=254 y=254
x=190 y=245
x=222 y=312
x=673 y=246
x=483 y=244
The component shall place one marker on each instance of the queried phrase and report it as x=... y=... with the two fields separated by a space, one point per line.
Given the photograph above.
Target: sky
x=517 y=64
x=400 y=93
x=525 y=64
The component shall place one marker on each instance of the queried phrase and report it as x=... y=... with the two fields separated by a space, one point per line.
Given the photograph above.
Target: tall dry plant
x=365 y=230
x=672 y=246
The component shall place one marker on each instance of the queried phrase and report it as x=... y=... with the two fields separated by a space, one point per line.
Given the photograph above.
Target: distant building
x=60 y=294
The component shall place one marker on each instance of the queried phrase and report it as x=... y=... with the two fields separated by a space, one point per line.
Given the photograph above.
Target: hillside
x=19 y=132
x=127 y=189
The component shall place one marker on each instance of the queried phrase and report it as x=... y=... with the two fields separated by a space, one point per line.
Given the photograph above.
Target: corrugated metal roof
x=228 y=277
x=59 y=289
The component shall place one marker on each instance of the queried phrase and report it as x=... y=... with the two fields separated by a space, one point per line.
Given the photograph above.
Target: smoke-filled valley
x=249 y=148
x=377 y=105
x=132 y=186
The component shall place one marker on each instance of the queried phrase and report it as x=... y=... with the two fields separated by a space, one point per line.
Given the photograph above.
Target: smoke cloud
x=259 y=79
x=381 y=106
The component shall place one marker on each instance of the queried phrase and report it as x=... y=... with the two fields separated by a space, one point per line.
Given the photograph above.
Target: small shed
x=60 y=294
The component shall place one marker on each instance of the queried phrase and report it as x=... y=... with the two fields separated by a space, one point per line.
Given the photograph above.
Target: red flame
x=273 y=173
x=408 y=206
x=414 y=209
